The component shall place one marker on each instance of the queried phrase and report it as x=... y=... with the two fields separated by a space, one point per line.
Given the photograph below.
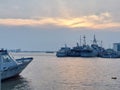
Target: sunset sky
x=49 y=24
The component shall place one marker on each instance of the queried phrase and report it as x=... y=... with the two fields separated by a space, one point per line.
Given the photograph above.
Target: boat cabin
x=5 y=60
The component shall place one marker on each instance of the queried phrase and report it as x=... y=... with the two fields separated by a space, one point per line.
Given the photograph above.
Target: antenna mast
x=94 y=40
x=80 y=40
x=84 y=40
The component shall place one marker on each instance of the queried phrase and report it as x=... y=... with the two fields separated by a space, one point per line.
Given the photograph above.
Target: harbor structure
x=116 y=47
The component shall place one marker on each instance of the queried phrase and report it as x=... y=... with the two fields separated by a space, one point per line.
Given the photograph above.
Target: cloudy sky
x=49 y=24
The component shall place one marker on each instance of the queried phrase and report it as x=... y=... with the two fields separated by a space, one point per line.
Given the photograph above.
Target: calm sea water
x=47 y=72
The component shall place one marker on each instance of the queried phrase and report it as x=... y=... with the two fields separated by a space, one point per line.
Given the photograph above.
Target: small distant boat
x=10 y=67
x=49 y=52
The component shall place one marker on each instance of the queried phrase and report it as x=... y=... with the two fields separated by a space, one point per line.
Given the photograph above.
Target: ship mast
x=80 y=40
x=77 y=44
x=101 y=43
x=65 y=45
x=84 y=40
x=94 y=40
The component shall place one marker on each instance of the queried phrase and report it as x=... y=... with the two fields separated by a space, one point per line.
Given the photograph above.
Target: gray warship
x=85 y=50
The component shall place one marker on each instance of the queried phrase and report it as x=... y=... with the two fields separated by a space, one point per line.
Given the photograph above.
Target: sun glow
x=103 y=20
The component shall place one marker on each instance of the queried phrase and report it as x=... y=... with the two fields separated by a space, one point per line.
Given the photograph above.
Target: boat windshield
x=5 y=58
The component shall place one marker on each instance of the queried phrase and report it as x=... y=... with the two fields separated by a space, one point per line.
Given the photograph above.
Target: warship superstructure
x=85 y=50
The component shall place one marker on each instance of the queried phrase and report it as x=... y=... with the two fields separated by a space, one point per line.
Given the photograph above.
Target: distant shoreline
x=35 y=51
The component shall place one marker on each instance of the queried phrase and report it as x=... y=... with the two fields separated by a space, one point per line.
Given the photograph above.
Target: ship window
x=6 y=58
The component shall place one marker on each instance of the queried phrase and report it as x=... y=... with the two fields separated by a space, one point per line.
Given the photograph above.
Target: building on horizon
x=15 y=50
x=116 y=47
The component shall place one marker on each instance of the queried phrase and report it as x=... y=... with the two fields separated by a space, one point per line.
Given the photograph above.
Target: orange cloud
x=104 y=20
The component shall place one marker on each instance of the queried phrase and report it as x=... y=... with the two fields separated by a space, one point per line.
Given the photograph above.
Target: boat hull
x=15 y=70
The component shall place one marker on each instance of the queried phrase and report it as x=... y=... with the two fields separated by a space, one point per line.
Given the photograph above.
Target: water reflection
x=47 y=72
x=16 y=83
x=87 y=74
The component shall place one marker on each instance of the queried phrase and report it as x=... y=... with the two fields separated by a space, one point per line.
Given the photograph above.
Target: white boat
x=10 y=67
